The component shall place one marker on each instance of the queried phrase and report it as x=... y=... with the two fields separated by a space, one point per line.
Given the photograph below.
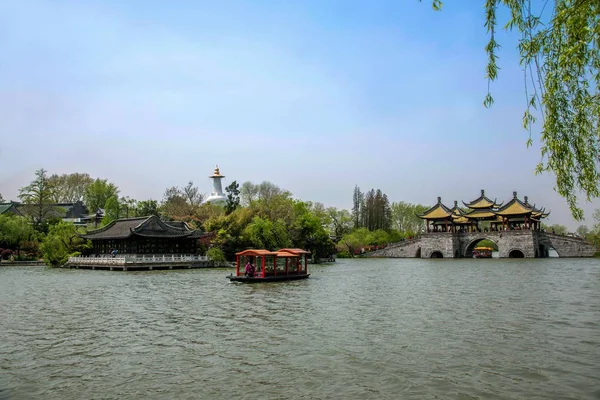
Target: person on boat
x=250 y=269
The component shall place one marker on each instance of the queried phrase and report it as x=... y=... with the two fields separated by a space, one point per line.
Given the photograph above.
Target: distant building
x=145 y=235
x=217 y=195
x=76 y=213
x=514 y=215
x=10 y=207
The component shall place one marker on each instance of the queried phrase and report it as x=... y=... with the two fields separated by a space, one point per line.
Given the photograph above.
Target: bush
x=344 y=254
x=215 y=254
x=25 y=258
x=30 y=250
x=60 y=243
x=6 y=254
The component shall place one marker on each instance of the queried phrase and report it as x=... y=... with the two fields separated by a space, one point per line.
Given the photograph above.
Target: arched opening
x=418 y=254
x=481 y=248
x=437 y=254
x=544 y=251
x=516 y=254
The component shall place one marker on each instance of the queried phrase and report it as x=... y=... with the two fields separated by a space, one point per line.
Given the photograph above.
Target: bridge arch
x=468 y=252
x=436 y=254
x=516 y=253
x=546 y=250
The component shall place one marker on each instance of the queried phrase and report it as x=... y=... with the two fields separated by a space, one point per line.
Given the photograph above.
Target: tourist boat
x=271 y=266
x=482 y=252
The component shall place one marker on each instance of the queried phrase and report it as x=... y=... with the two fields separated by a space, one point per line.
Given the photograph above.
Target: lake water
x=357 y=329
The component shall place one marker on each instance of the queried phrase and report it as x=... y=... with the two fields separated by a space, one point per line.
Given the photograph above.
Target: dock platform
x=144 y=262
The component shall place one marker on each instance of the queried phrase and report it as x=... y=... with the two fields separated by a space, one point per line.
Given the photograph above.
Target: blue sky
x=314 y=96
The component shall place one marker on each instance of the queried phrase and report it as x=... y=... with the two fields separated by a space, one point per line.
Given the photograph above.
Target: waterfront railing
x=137 y=259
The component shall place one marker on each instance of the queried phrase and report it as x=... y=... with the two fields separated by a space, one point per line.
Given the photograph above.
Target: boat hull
x=258 y=279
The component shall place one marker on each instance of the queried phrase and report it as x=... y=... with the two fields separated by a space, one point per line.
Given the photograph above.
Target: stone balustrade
x=136 y=259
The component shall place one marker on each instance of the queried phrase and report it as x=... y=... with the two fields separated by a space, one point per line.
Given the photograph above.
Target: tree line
x=258 y=215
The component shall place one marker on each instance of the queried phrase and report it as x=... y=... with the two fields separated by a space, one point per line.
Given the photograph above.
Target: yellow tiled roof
x=482 y=203
x=516 y=208
x=461 y=220
x=475 y=214
x=437 y=212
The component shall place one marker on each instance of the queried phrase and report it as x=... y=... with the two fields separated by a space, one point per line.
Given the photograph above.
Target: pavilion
x=514 y=215
x=144 y=235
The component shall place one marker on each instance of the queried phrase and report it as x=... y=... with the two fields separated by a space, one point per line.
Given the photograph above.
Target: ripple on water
x=357 y=329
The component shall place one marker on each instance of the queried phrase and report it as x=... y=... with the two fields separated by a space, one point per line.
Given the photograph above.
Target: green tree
x=583 y=230
x=181 y=204
x=69 y=188
x=215 y=254
x=308 y=229
x=596 y=217
x=97 y=192
x=248 y=193
x=14 y=230
x=404 y=217
x=266 y=234
x=192 y=195
x=341 y=221
x=111 y=210
x=229 y=229
x=61 y=243
x=147 y=208
x=275 y=207
x=37 y=199
x=355 y=240
x=233 y=197
x=357 y=200
x=128 y=207
x=377 y=237
x=559 y=48
x=556 y=228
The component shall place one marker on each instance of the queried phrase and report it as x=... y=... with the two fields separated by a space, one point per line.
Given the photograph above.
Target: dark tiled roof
x=178 y=225
x=73 y=210
x=10 y=207
x=143 y=226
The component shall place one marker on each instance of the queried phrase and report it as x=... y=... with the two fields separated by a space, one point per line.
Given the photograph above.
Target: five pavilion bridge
x=511 y=244
x=515 y=227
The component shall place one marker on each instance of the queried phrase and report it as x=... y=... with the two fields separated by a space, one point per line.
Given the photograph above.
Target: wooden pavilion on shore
x=514 y=215
x=144 y=235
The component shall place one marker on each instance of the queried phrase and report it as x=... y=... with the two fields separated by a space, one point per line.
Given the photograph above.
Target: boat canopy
x=256 y=253
x=296 y=251
x=282 y=262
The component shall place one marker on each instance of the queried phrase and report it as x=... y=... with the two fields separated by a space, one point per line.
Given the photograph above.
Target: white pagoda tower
x=217 y=195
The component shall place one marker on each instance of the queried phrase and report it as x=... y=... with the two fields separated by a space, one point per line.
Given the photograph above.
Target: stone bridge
x=511 y=244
